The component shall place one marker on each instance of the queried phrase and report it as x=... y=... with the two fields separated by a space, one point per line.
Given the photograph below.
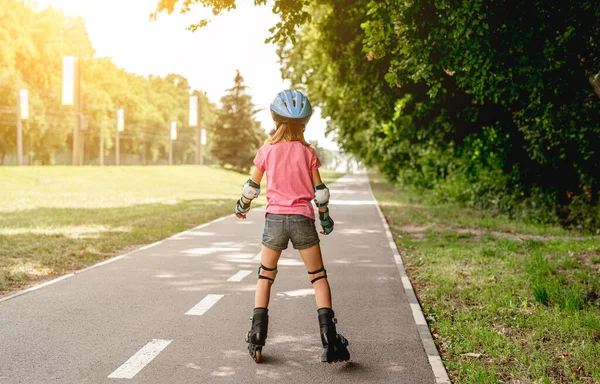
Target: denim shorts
x=280 y=229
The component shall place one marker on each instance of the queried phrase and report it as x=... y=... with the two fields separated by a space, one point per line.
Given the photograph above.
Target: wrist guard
x=241 y=207
x=326 y=222
x=321 y=195
x=251 y=189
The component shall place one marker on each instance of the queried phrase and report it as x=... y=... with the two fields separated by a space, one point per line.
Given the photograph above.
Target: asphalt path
x=177 y=311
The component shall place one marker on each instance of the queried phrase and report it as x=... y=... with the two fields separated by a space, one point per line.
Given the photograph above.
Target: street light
x=194 y=122
x=68 y=85
x=22 y=113
x=120 y=128
x=173 y=130
x=172 y=136
x=120 y=119
x=24 y=102
x=71 y=95
x=193 y=111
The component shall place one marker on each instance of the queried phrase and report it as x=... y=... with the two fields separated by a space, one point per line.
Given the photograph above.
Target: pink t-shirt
x=288 y=166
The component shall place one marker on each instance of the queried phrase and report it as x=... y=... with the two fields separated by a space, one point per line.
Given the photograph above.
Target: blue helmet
x=291 y=106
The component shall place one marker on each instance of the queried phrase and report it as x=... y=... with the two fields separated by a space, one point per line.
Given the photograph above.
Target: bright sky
x=208 y=58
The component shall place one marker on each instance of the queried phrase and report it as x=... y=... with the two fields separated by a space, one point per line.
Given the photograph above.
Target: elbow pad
x=321 y=195
x=251 y=189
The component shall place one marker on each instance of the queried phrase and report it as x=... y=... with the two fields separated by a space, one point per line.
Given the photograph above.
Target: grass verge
x=506 y=302
x=55 y=220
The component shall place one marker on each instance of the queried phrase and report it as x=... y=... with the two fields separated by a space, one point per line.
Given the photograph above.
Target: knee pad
x=324 y=276
x=272 y=280
x=321 y=195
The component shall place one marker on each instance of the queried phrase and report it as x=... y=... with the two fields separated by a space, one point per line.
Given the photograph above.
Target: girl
x=293 y=181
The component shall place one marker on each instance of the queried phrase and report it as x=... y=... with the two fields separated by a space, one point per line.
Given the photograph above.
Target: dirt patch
x=415 y=231
x=418 y=232
x=590 y=259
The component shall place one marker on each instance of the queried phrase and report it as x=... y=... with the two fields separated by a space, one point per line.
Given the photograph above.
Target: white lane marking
x=240 y=275
x=201 y=234
x=417 y=314
x=204 y=305
x=298 y=293
x=441 y=377
x=37 y=287
x=257 y=257
x=151 y=245
x=141 y=358
x=290 y=262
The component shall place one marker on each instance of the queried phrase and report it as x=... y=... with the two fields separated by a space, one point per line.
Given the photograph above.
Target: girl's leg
x=335 y=346
x=268 y=258
x=314 y=262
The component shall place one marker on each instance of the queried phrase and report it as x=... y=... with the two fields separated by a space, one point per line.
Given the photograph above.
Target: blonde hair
x=288 y=132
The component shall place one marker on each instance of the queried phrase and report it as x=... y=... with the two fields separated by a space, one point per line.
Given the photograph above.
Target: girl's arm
x=316 y=178
x=257 y=175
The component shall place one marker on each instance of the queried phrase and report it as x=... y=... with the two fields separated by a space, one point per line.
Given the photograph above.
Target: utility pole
x=71 y=88
x=199 y=159
x=117 y=149
x=19 y=125
x=202 y=143
x=78 y=115
x=195 y=121
x=172 y=136
x=102 y=142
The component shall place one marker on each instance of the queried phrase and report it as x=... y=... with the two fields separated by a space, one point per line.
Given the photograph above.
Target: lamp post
x=102 y=124
x=120 y=128
x=195 y=122
x=172 y=137
x=71 y=95
x=22 y=113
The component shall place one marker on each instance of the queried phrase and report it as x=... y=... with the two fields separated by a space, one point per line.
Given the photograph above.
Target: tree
x=324 y=154
x=237 y=134
x=32 y=44
x=499 y=94
x=292 y=13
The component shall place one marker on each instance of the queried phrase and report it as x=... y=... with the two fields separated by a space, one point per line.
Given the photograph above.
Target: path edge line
x=109 y=260
x=433 y=355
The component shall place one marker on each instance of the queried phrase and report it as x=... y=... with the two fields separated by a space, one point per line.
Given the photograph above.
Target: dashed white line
x=240 y=275
x=141 y=358
x=257 y=257
x=204 y=305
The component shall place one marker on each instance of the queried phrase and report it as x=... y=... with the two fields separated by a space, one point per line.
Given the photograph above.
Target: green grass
x=529 y=308
x=54 y=220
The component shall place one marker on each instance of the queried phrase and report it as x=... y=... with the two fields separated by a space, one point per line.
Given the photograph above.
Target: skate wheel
x=258 y=356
